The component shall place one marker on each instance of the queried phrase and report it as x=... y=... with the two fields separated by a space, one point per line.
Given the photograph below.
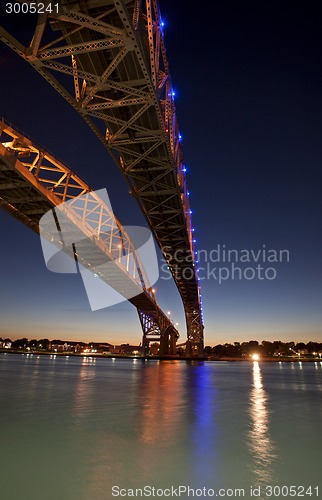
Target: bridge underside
x=33 y=183
x=113 y=53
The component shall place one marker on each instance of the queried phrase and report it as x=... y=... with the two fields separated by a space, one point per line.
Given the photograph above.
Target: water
x=72 y=428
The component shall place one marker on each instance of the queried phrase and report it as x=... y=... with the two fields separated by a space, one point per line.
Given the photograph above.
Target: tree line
x=41 y=344
x=265 y=349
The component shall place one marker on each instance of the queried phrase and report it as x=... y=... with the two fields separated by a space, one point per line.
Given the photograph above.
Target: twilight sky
x=248 y=81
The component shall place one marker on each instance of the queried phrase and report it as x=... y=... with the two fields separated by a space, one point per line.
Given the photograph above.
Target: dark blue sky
x=248 y=79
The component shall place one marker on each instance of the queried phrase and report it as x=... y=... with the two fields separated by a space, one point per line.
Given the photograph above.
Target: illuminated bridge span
x=33 y=182
x=113 y=51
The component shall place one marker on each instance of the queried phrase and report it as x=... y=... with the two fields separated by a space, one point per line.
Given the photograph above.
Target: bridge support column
x=168 y=341
x=158 y=330
x=164 y=343
x=173 y=343
x=164 y=337
x=169 y=337
x=195 y=344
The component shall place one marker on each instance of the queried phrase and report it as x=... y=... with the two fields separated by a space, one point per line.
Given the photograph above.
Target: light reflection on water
x=203 y=395
x=160 y=409
x=85 y=424
x=260 y=443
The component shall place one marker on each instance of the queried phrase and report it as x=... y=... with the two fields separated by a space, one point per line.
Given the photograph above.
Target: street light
x=297 y=353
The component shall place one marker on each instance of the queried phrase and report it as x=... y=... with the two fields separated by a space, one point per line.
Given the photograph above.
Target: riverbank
x=160 y=358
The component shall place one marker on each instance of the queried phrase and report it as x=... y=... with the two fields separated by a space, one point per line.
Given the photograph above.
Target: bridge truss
x=34 y=183
x=114 y=55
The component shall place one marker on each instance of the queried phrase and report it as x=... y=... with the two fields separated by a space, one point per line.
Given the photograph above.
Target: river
x=75 y=428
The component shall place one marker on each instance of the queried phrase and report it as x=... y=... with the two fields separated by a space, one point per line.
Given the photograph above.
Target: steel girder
x=33 y=182
x=114 y=53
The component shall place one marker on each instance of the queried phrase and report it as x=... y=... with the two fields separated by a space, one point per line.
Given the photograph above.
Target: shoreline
x=160 y=358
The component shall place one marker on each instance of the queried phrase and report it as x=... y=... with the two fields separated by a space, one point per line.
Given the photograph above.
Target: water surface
x=71 y=428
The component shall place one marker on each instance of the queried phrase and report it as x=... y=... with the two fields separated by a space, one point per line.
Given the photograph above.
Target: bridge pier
x=173 y=343
x=195 y=343
x=158 y=330
x=164 y=343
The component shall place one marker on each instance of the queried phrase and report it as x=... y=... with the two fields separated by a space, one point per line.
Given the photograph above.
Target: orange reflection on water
x=260 y=443
x=83 y=393
x=160 y=403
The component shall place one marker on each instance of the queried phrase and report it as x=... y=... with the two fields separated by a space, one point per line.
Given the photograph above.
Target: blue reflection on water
x=204 y=428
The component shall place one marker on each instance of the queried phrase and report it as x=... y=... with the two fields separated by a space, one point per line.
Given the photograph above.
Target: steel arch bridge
x=119 y=81
x=34 y=184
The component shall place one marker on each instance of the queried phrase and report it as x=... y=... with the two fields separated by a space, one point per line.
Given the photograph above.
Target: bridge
x=119 y=82
x=40 y=191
